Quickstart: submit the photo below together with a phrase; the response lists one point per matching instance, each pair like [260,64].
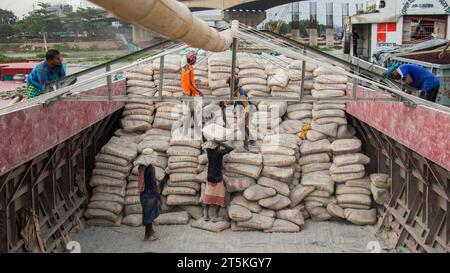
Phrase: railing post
[355,85]
[109,81]
[302,83]
[161,76]
[233,67]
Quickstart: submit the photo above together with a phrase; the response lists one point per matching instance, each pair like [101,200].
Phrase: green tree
[88,19]
[7,20]
[40,20]
[271,25]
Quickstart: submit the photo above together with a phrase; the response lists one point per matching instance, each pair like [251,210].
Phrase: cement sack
[99,180]
[327,113]
[329,86]
[314,158]
[109,173]
[361,217]
[280,225]
[183,158]
[285,140]
[253,80]
[183,151]
[182,200]
[113,167]
[132,200]
[329,129]
[298,64]
[172,218]
[335,211]
[257,192]
[354,206]
[178,190]
[290,127]
[159,146]
[178,165]
[113,207]
[281,78]
[315,167]
[256,86]
[195,212]
[132,220]
[299,193]
[248,73]
[279,107]
[220,92]
[241,201]
[100,214]
[338,120]
[327,94]
[143,69]
[319,214]
[268,213]
[141,83]
[192,185]
[245,158]
[137,112]
[343,189]
[380,180]
[257,221]
[346,131]
[136,106]
[238,213]
[312,135]
[133,209]
[341,178]
[299,107]
[320,146]
[319,181]
[119,191]
[353,168]
[159,132]
[319,193]
[276,202]
[361,199]
[299,115]
[292,95]
[349,159]
[346,146]
[134,191]
[278,160]
[244,169]
[324,71]
[331,79]
[182,171]
[211,226]
[110,159]
[380,195]
[216,132]
[138,76]
[283,174]
[119,151]
[185,142]
[362,183]
[237,184]
[292,215]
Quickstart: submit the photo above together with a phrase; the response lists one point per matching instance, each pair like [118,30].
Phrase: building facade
[400,22]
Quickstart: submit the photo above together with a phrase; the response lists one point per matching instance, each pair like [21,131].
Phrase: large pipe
[173,20]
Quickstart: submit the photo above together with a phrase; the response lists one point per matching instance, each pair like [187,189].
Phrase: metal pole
[302,83]
[161,75]
[233,67]
[109,81]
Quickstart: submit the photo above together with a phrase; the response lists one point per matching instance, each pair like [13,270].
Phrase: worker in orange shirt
[189,88]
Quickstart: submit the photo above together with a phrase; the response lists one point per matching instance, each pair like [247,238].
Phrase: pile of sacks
[252,77]
[267,119]
[219,71]
[112,166]
[168,115]
[380,185]
[328,84]
[295,77]
[140,76]
[201,75]
[182,190]
[171,75]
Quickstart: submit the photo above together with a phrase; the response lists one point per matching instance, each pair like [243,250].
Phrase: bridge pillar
[249,17]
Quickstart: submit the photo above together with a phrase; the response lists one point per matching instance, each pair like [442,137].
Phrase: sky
[22,7]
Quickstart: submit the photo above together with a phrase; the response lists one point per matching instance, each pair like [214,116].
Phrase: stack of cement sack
[295,77]
[353,190]
[171,75]
[278,83]
[112,166]
[219,71]
[167,115]
[328,84]
[201,75]
[267,119]
[140,76]
[300,111]
[182,189]
[252,77]
[380,185]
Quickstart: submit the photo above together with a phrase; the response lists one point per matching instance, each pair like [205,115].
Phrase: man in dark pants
[418,77]
[150,199]
[355,38]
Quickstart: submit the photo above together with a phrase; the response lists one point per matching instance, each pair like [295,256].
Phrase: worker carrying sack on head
[245,107]
[188,86]
[418,77]
[214,195]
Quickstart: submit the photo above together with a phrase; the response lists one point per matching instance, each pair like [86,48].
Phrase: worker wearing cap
[444,51]
[45,72]
[189,88]
[245,106]
[418,77]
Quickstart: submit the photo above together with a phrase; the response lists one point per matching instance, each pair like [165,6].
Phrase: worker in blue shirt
[45,72]
[245,107]
[418,77]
